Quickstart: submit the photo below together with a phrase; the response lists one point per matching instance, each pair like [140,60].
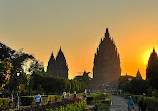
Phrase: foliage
[4,103]
[101,107]
[6,52]
[149,92]
[72,107]
[52,105]
[26,101]
[83,80]
[39,81]
[5,68]
[98,96]
[152,103]
[155,93]
[44,83]
[133,85]
[123,82]
[45,99]
[138,86]
[101,101]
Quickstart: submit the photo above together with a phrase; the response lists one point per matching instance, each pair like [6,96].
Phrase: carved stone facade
[58,67]
[106,69]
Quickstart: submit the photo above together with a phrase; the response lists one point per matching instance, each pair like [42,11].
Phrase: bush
[52,105]
[81,106]
[155,93]
[152,103]
[98,96]
[4,103]
[26,100]
[54,98]
[101,101]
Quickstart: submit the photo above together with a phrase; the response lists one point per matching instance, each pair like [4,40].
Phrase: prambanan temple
[106,69]
[58,67]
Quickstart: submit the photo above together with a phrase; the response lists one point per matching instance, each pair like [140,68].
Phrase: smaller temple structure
[138,75]
[58,67]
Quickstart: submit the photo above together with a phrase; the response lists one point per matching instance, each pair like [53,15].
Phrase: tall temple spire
[60,48]
[60,54]
[106,65]
[51,64]
[152,64]
[52,55]
[61,65]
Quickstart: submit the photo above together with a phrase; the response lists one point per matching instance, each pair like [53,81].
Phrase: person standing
[68,95]
[16,100]
[142,104]
[38,99]
[75,94]
[84,96]
[130,104]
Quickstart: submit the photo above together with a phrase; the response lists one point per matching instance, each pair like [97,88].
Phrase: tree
[6,53]
[138,86]
[5,68]
[124,82]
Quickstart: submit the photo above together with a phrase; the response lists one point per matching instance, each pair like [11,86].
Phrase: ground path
[119,104]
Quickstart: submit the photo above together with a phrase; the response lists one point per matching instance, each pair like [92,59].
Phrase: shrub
[52,105]
[101,101]
[155,93]
[71,107]
[152,103]
[26,100]
[4,103]
[98,96]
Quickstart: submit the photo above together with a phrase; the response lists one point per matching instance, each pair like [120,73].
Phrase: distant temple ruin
[58,67]
[138,75]
[106,69]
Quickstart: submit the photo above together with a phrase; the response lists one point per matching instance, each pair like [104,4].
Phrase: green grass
[4,103]
[101,101]
[72,107]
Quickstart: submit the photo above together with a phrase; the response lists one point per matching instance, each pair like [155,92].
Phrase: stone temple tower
[58,67]
[106,69]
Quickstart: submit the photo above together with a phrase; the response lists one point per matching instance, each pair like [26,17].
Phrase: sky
[42,26]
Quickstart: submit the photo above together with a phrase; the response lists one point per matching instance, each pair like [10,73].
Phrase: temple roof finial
[107,31]
[153,50]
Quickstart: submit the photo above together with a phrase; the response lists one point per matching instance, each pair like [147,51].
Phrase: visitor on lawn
[38,99]
[68,95]
[84,96]
[74,94]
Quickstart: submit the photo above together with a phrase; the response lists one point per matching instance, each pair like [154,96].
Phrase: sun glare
[146,56]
